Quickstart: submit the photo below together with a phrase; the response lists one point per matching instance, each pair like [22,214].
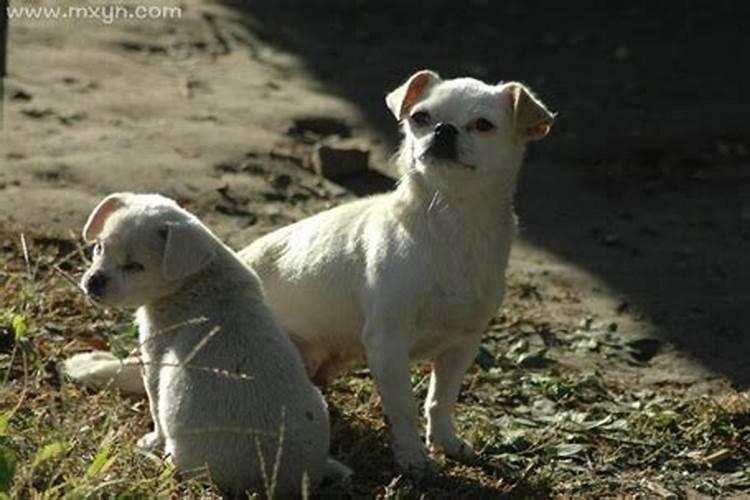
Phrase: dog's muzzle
[96,284]
[444,142]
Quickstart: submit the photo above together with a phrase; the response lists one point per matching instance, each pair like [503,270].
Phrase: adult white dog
[226,387]
[416,273]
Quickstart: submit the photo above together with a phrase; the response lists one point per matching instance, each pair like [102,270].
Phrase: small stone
[20,95]
[321,126]
[280,181]
[338,159]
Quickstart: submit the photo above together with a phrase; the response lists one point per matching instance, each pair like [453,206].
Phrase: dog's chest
[462,280]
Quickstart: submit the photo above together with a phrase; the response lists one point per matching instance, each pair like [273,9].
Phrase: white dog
[416,273]
[419,272]
[226,387]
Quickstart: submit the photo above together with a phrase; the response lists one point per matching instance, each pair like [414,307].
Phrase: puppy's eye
[483,125]
[132,267]
[421,118]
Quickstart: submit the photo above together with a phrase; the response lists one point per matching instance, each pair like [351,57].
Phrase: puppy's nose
[445,129]
[96,284]
[444,142]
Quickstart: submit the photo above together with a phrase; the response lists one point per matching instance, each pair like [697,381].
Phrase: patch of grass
[543,429]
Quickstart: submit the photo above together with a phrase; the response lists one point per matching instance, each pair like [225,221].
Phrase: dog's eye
[483,125]
[132,267]
[421,118]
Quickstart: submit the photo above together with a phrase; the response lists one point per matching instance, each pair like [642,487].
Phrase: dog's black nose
[445,129]
[444,142]
[96,284]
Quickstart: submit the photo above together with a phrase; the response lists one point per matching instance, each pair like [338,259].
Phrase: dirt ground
[635,212]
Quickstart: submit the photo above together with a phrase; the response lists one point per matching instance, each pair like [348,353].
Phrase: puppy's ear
[101,213]
[531,118]
[188,249]
[401,100]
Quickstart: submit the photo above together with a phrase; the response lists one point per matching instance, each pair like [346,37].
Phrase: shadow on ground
[644,180]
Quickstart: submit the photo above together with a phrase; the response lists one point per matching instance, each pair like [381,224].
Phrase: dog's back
[232,389]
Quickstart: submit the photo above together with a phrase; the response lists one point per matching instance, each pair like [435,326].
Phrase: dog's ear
[189,247]
[401,100]
[101,213]
[531,118]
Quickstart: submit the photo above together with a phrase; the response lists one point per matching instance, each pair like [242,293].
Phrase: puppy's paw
[414,462]
[150,441]
[454,448]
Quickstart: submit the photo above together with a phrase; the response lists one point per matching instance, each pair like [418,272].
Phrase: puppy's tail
[100,368]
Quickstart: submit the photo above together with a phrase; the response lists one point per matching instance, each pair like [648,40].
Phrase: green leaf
[7,467]
[19,326]
[664,418]
[4,419]
[48,452]
[102,461]
[168,471]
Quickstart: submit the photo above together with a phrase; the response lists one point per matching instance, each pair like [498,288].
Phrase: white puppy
[413,274]
[222,380]
[419,272]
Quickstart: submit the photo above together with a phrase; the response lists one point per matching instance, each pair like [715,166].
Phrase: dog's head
[145,246]
[464,132]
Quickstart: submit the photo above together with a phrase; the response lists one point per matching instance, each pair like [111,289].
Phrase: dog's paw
[454,448]
[150,441]
[415,462]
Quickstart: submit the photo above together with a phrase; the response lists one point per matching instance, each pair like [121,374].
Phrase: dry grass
[544,429]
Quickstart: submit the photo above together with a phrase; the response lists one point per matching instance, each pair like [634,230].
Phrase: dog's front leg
[388,359]
[155,438]
[448,370]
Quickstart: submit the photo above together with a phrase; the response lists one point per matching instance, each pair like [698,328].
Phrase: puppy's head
[145,246]
[464,132]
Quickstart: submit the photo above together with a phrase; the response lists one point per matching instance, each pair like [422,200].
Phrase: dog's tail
[100,369]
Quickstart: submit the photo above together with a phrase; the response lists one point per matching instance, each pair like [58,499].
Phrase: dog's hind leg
[101,368]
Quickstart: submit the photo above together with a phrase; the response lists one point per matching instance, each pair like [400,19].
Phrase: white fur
[416,273]
[222,380]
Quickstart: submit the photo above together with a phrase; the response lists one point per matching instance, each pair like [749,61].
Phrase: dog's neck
[236,282]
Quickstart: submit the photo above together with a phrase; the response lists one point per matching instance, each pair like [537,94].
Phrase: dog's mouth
[452,163]
[461,165]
